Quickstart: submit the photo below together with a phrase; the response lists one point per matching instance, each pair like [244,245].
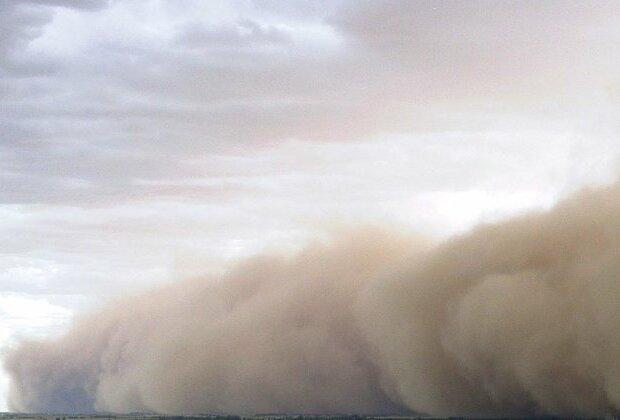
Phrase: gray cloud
[260,75]
[91,5]
[21,22]
[484,48]
[18,27]
[244,34]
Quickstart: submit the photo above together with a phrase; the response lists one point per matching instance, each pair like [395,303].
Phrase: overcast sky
[144,141]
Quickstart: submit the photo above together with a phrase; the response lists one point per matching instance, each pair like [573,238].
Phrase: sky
[146,141]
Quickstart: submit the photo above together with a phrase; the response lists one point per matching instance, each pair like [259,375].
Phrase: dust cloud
[519,317]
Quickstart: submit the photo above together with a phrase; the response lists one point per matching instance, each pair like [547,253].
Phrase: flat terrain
[16,416]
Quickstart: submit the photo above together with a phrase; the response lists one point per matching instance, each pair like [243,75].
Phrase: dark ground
[15,416]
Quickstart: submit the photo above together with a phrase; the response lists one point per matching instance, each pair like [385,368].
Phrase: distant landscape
[195,417]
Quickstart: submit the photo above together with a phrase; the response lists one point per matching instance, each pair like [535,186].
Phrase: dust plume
[514,318]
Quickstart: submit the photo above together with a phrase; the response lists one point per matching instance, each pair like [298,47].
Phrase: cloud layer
[223,122]
[232,78]
[512,318]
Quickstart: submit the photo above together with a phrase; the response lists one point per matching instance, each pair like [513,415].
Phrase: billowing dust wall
[520,317]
